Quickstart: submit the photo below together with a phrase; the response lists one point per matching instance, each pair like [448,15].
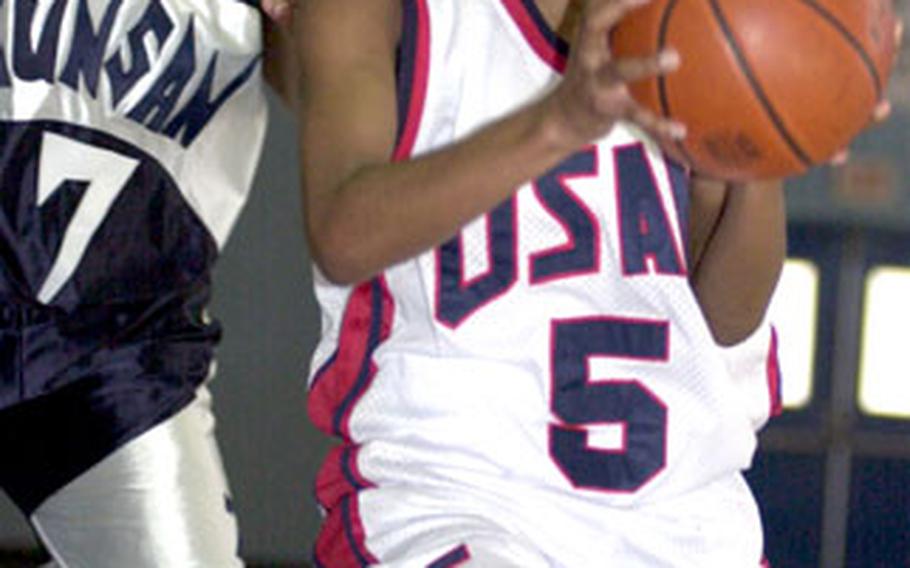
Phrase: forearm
[363,213]
[741,261]
[384,213]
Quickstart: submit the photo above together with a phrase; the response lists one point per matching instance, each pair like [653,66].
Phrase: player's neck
[561,15]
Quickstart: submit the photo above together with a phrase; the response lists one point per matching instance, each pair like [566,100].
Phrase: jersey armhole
[412,74]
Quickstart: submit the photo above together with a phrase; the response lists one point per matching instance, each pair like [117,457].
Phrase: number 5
[581,402]
[106,172]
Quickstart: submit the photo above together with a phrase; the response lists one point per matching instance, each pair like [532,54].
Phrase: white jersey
[549,367]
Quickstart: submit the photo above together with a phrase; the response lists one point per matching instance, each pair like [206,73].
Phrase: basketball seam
[662,79]
[852,40]
[757,89]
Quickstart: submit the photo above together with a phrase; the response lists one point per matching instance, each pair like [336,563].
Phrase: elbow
[732,311]
[339,257]
[339,271]
[734,325]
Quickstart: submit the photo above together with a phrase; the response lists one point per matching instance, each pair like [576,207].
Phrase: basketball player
[530,354]
[122,175]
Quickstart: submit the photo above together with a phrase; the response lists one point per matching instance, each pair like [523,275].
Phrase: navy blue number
[645,229]
[457,298]
[580,401]
[581,254]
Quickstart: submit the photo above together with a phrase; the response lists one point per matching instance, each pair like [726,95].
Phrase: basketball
[766,88]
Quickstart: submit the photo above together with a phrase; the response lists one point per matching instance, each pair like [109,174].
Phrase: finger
[898,33]
[631,69]
[658,126]
[598,18]
[882,111]
[605,14]
[840,158]
[277,10]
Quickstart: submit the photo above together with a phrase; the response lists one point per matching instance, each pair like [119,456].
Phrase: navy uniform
[123,170]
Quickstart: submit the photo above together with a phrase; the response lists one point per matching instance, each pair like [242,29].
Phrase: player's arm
[737,249]
[280,67]
[738,244]
[363,212]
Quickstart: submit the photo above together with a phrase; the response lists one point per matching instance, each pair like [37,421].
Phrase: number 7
[106,172]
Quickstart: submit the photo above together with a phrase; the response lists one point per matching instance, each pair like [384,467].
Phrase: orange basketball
[766,88]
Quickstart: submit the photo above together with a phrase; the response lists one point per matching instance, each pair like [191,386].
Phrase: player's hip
[624,438]
[415,524]
[68,399]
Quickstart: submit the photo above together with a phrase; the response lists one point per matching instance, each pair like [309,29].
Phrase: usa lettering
[647,239]
[82,56]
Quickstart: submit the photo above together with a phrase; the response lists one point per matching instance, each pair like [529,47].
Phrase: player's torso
[121,158]
[555,341]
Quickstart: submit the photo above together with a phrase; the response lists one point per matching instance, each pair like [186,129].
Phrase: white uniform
[542,390]
[122,173]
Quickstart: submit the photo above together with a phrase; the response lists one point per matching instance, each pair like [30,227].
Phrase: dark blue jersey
[129,135]
[121,167]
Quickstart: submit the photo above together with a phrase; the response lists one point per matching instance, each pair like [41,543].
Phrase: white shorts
[507,525]
[159,501]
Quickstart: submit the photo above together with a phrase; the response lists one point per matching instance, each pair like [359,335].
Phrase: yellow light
[884,374]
